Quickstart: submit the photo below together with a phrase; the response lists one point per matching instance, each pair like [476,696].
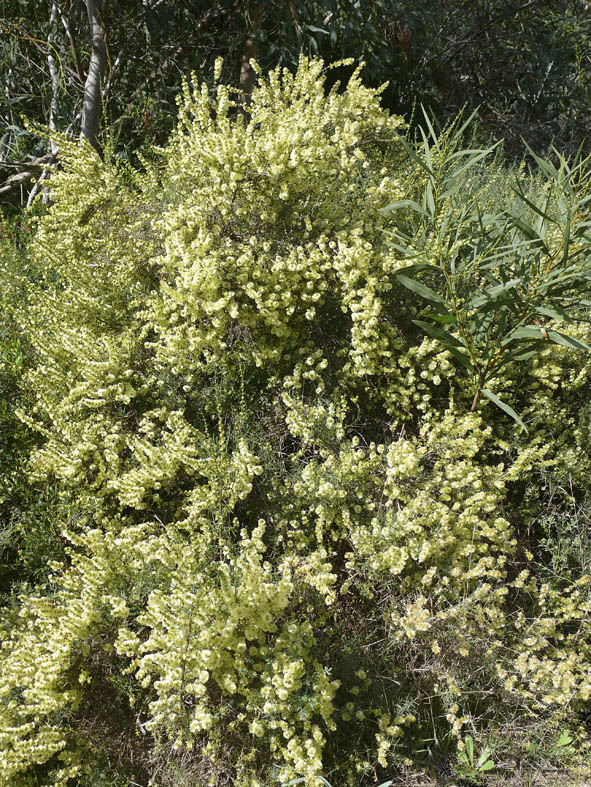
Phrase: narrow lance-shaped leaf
[429,199]
[527,229]
[404,203]
[417,159]
[480,154]
[461,357]
[504,407]
[543,164]
[403,249]
[443,319]
[420,289]
[556,313]
[566,240]
[437,333]
[525,332]
[520,356]
[492,292]
[566,341]
[536,208]
[418,267]
[431,129]
[427,149]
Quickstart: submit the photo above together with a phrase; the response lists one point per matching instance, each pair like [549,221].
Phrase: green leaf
[444,319]
[403,249]
[417,159]
[432,131]
[567,341]
[543,164]
[458,132]
[566,241]
[469,743]
[451,190]
[492,292]
[420,289]
[555,313]
[480,154]
[524,356]
[430,202]
[525,332]
[504,407]
[542,213]
[486,766]
[418,268]
[445,338]
[404,203]
[564,739]
[461,357]
[427,151]
[527,230]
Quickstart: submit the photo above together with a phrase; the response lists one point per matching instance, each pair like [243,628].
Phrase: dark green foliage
[525,66]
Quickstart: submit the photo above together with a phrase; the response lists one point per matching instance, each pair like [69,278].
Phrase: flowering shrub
[295,548]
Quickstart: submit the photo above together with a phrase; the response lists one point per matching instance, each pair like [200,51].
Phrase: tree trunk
[91,107]
[247,74]
[55,81]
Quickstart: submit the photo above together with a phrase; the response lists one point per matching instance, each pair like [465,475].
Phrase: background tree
[525,65]
[91,106]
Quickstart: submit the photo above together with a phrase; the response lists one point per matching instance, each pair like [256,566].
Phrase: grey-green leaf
[492,292]
[504,407]
[555,314]
[432,330]
[420,289]
[567,341]
[443,319]
[404,203]
[525,332]
[461,357]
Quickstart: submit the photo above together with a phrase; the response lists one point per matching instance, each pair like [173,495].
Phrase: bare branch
[75,57]
[27,171]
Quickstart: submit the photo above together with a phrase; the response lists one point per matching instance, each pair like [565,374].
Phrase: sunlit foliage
[296,550]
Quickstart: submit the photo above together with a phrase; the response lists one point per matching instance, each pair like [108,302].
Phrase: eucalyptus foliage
[293,549]
[445,55]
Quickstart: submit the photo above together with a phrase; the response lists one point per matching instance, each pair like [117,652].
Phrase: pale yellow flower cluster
[289,529]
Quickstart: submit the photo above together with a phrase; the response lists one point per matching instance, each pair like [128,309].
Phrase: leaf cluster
[504,280]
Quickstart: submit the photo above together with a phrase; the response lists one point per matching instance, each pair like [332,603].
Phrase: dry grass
[550,777]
